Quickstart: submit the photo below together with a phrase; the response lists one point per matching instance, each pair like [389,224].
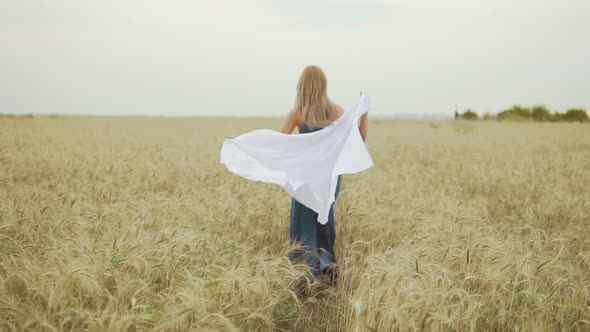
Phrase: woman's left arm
[290,123]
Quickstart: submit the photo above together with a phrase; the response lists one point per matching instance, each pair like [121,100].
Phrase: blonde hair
[312,102]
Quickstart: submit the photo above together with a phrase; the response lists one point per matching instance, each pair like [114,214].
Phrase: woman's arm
[363,126]
[290,123]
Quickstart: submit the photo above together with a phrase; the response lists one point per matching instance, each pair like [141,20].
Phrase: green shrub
[517,112]
[470,115]
[575,114]
[540,113]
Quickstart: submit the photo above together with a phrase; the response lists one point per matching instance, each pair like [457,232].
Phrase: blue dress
[316,240]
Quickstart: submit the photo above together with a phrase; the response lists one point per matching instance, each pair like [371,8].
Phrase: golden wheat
[132,224]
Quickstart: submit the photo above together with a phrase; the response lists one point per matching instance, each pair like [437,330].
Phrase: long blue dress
[316,240]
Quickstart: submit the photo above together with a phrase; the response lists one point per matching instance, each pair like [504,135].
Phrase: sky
[243,58]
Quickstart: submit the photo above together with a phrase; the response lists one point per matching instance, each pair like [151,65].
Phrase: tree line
[535,113]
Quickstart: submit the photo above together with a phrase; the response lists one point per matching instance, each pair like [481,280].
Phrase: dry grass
[132,224]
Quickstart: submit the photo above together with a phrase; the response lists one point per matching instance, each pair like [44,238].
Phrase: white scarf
[306,165]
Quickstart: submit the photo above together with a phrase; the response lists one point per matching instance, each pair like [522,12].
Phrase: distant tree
[517,112]
[575,114]
[470,115]
[488,116]
[520,111]
[540,113]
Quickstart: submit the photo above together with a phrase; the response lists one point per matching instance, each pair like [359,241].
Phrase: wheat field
[131,224]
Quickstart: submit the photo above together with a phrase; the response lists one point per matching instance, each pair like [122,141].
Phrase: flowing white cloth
[306,165]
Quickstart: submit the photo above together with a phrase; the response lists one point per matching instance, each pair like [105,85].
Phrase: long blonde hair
[312,102]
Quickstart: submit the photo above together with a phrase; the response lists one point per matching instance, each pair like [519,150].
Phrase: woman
[313,111]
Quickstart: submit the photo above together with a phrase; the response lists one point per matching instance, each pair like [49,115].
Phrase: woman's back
[305,129]
[295,119]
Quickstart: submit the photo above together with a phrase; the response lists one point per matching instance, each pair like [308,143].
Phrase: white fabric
[305,165]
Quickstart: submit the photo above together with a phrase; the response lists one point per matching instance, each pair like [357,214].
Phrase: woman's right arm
[363,126]
[290,123]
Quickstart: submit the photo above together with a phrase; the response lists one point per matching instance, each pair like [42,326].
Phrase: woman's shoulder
[295,116]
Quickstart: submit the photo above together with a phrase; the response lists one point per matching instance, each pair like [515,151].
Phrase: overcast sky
[238,57]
